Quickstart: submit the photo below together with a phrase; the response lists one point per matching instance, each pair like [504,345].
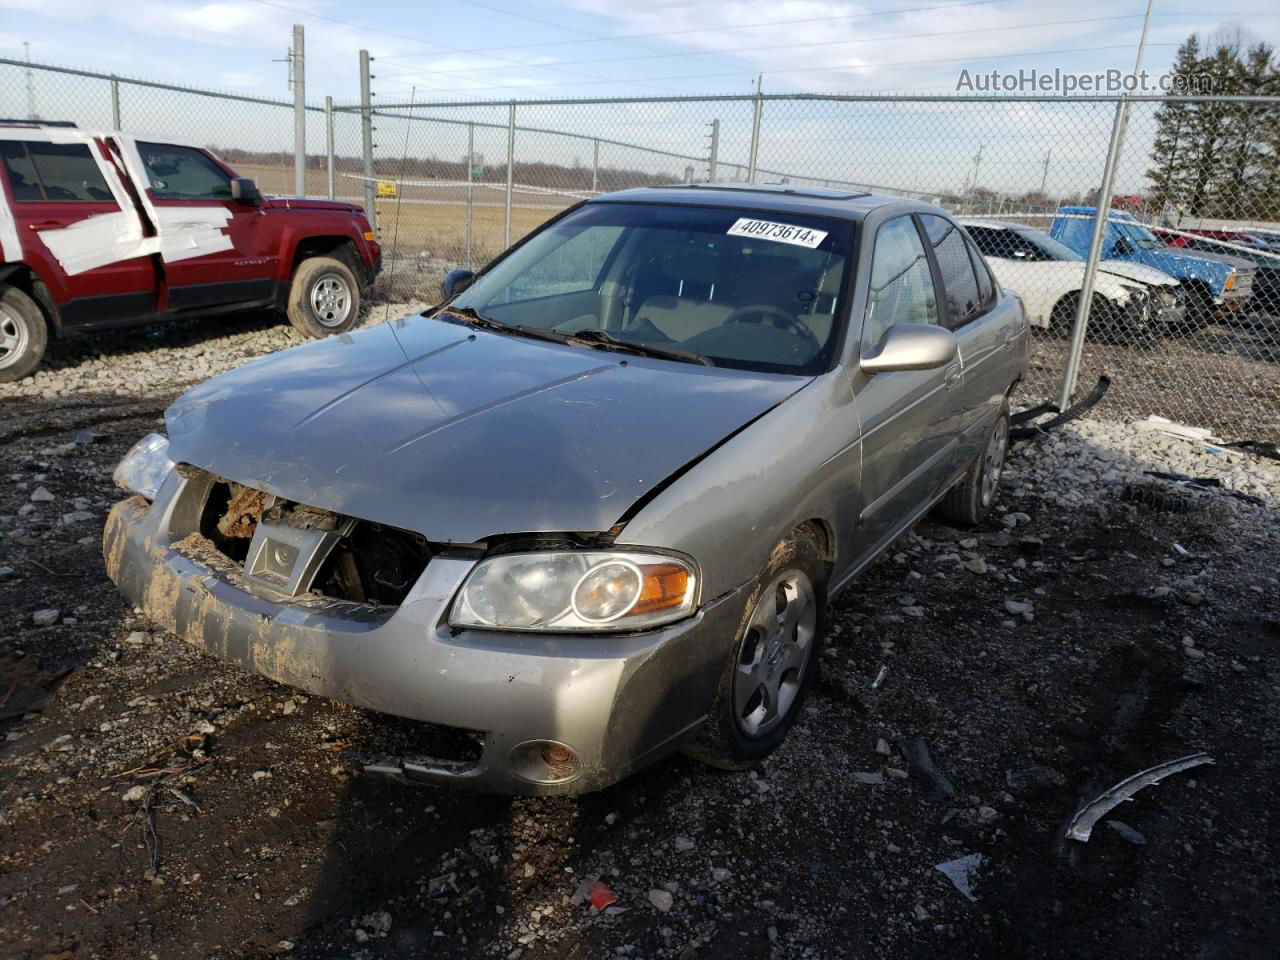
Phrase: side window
[993,242]
[572,267]
[959,283]
[53,172]
[183,173]
[901,285]
[986,285]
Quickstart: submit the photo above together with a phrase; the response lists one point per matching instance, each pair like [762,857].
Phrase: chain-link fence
[1184,311]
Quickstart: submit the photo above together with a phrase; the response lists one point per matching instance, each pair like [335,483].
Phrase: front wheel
[774,659]
[23,335]
[324,298]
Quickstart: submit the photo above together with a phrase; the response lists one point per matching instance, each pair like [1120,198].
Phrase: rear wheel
[324,298]
[774,661]
[970,500]
[24,335]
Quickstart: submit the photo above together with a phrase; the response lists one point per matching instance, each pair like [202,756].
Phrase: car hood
[310,203]
[1135,271]
[461,435]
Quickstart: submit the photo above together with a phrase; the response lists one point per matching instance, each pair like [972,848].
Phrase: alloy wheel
[330,300]
[774,653]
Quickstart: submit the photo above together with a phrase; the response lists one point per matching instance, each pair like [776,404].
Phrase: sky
[472,50]
[570,48]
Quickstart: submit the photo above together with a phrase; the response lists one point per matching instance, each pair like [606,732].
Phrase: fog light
[544,761]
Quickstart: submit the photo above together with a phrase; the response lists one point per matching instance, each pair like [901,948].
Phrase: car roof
[997,224]
[773,198]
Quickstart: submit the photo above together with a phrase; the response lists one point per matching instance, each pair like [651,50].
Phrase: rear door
[909,430]
[215,250]
[75,232]
[984,326]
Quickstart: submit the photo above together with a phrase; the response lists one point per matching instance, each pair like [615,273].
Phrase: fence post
[511,160]
[299,113]
[714,159]
[366,137]
[471,193]
[595,167]
[755,132]
[115,103]
[330,172]
[1080,325]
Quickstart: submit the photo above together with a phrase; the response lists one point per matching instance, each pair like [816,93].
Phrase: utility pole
[298,77]
[755,131]
[977,166]
[1045,179]
[713,160]
[31,86]
[366,138]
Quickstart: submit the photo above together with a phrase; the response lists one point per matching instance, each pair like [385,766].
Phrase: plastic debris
[920,763]
[871,778]
[1082,823]
[600,896]
[963,872]
[880,674]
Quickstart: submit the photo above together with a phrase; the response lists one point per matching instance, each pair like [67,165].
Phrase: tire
[970,501]
[1201,309]
[24,334]
[775,655]
[324,298]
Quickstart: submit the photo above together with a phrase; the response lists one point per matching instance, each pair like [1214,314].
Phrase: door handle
[951,376]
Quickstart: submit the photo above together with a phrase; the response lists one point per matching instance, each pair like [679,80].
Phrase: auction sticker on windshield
[777,232]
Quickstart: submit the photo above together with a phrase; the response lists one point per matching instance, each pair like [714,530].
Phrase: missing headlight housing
[576,591]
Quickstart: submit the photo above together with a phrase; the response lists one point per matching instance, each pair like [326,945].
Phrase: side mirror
[245,190]
[455,281]
[911,346]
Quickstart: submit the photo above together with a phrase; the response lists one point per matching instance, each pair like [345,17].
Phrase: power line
[872,66]
[818,43]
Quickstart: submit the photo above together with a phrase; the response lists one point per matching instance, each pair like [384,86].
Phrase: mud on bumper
[618,702]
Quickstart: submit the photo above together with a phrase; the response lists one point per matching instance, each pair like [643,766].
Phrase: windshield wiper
[476,319]
[604,340]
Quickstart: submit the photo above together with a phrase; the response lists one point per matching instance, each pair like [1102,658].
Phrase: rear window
[53,172]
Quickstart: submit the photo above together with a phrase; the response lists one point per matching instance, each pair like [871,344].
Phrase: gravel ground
[157,803]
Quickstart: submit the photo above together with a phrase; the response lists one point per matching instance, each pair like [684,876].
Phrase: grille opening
[418,740]
[229,517]
[374,564]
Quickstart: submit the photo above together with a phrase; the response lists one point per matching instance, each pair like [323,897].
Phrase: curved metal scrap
[1082,824]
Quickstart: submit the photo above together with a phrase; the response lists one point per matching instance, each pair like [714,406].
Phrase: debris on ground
[920,763]
[1082,823]
[963,873]
[600,895]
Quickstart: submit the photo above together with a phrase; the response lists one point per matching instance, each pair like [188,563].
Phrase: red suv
[106,229]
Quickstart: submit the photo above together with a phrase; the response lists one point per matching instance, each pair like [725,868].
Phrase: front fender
[800,461]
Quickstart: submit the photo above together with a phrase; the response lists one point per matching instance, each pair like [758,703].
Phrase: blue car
[1214,282]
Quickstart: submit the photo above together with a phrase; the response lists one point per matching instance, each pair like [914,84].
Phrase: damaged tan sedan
[591,508]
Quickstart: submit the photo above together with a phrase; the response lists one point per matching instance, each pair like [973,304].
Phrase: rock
[720,874]
[882,747]
[45,618]
[661,900]
[1192,598]
[262,775]
[683,844]
[288,707]
[137,638]
[1020,608]
[976,565]
[869,778]
[76,516]
[134,794]
[41,495]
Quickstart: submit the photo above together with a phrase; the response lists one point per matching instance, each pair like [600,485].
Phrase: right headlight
[582,591]
[144,468]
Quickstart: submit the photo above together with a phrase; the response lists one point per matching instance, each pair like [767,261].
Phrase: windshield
[1051,248]
[1140,236]
[740,288]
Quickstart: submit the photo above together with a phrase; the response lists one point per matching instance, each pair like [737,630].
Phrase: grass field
[428,221]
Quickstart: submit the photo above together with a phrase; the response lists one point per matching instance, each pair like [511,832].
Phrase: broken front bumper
[618,702]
